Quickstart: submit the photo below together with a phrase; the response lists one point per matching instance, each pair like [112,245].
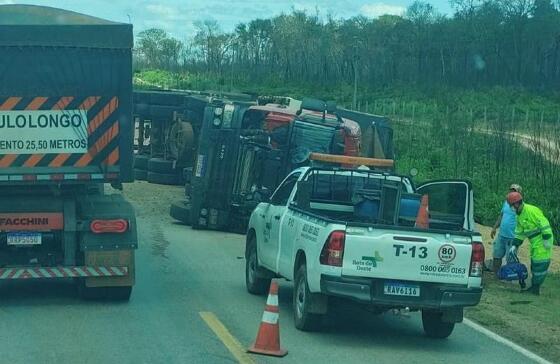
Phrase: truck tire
[160,165]
[104,293]
[255,284]
[118,293]
[181,211]
[167,99]
[434,326]
[303,319]
[140,174]
[164,112]
[181,143]
[141,162]
[163,178]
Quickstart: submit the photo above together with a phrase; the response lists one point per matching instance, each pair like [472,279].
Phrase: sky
[177,17]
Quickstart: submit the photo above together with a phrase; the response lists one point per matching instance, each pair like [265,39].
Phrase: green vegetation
[454,133]
[485,43]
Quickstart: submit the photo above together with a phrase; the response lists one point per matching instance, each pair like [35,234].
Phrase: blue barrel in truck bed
[65,97]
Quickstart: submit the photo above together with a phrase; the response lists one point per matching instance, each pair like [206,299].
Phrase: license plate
[401,289]
[24,239]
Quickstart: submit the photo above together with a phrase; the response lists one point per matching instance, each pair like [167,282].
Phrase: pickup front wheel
[434,326]
[255,284]
[304,320]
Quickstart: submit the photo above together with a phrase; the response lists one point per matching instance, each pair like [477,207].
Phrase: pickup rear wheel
[255,284]
[303,319]
[434,326]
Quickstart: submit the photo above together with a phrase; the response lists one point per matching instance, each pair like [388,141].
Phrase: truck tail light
[117,226]
[477,259]
[333,250]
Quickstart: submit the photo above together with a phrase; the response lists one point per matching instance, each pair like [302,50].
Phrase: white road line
[502,340]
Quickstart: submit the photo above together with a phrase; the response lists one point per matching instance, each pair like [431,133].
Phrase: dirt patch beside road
[152,199]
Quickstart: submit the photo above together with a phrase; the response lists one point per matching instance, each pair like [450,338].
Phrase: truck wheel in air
[141,162]
[434,326]
[181,143]
[140,174]
[255,284]
[303,319]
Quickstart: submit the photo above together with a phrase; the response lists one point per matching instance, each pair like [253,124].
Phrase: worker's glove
[512,255]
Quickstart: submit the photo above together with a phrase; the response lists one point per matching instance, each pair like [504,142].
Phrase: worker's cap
[515,187]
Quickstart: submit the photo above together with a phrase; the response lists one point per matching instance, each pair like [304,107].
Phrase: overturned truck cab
[245,150]
[66,133]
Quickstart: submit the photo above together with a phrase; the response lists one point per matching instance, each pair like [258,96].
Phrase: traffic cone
[268,337]
[422,219]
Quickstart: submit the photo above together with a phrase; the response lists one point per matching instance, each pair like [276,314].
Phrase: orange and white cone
[268,337]
[422,219]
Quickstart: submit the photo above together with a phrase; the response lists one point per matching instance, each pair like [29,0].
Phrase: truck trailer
[66,132]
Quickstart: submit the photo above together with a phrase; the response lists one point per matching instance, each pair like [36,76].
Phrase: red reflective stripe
[10,103]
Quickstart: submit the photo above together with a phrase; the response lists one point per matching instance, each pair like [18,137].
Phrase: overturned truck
[246,150]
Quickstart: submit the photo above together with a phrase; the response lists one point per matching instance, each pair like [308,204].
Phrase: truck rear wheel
[303,318]
[254,283]
[104,293]
[434,326]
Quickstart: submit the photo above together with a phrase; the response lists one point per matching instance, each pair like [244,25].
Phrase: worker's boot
[534,289]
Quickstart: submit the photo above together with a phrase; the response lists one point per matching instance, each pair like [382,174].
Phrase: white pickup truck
[352,234]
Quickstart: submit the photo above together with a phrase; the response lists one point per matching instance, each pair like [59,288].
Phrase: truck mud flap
[109,258]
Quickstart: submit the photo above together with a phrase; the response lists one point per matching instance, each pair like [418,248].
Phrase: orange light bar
[343,159]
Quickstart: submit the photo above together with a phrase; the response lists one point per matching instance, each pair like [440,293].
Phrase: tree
[158,50]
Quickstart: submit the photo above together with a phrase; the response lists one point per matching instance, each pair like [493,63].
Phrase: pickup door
[272,215]
[416,255]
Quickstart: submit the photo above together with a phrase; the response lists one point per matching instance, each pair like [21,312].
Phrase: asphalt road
[181,273]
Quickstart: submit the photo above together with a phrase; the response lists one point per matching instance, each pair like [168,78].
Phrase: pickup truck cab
[353,234]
